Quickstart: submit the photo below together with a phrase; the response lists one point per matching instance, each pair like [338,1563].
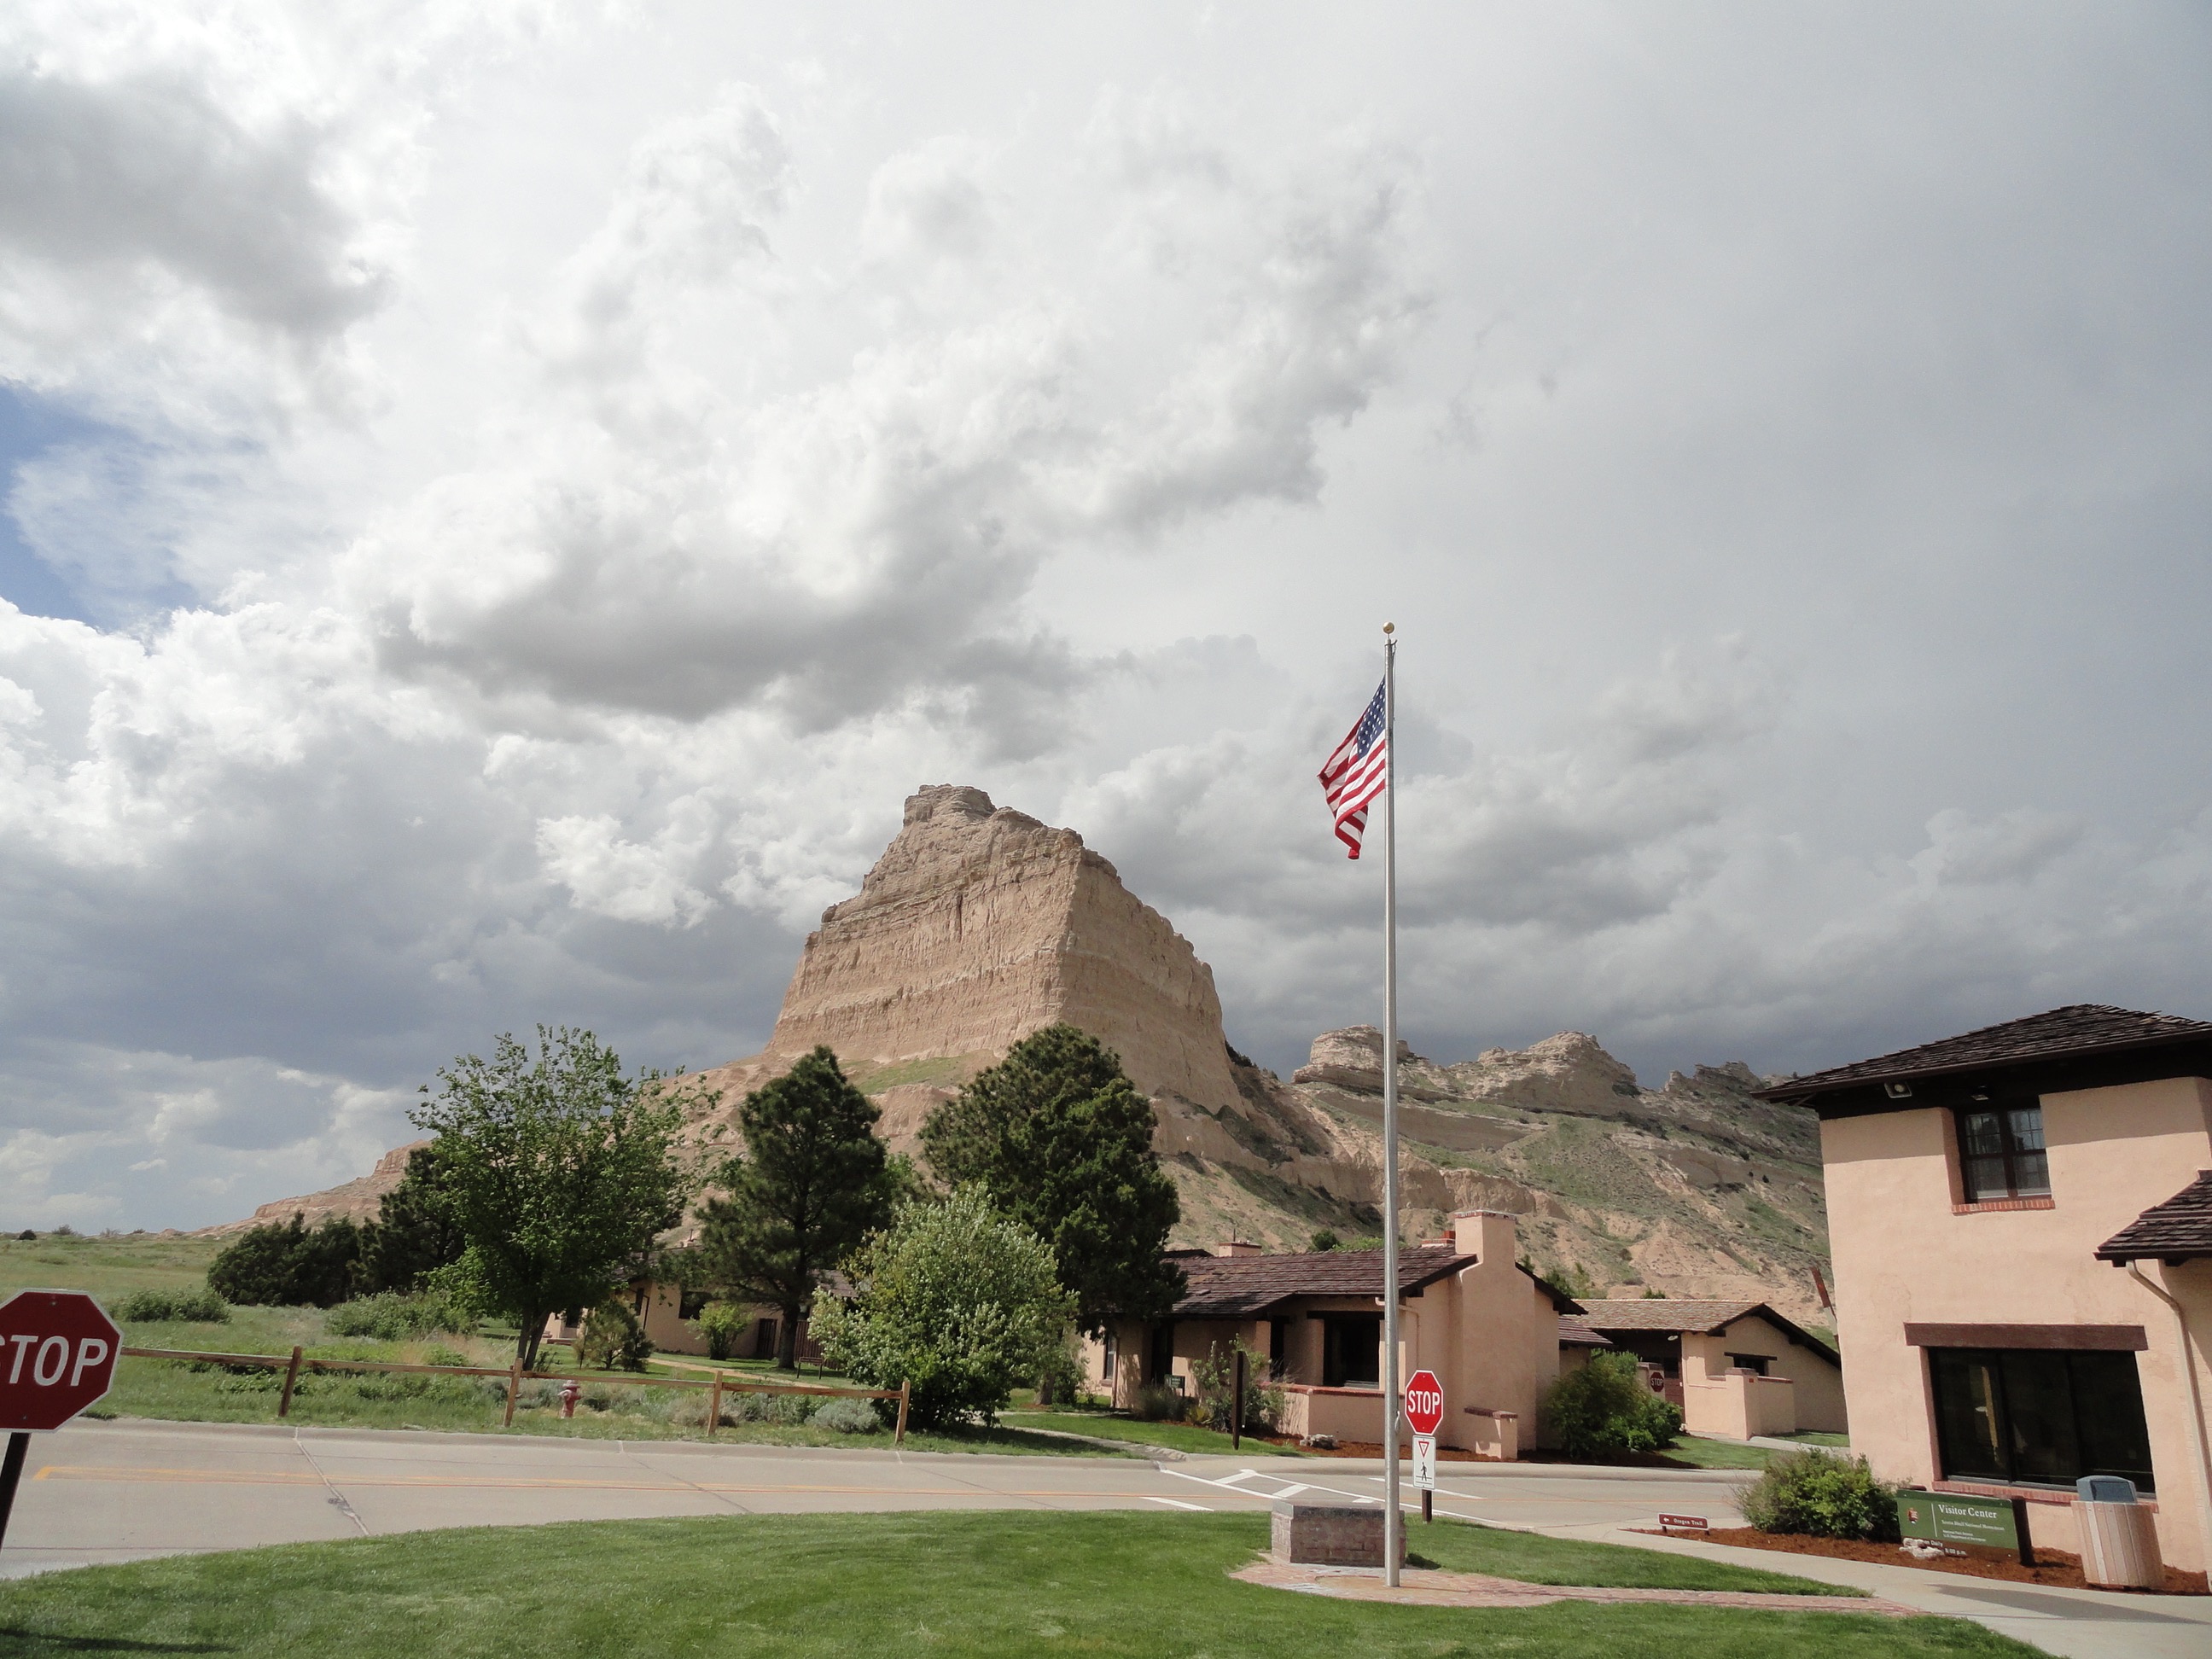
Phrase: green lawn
[1718,1454]
[111,1268]
[810,1587]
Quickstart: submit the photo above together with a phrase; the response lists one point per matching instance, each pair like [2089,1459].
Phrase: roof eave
[1797,1092]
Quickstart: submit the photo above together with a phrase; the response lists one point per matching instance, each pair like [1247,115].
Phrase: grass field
[111,1267]
[808,1587]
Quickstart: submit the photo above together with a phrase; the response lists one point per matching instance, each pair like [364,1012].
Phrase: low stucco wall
[1740,1404]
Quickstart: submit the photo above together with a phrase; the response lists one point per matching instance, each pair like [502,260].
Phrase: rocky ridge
[980,925]
[358,1199]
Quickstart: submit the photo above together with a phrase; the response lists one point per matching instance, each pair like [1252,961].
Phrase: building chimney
[1486,1234]
[1238,1247]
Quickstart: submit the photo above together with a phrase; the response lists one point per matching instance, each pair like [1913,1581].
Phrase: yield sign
[58,1352]
[1425,1402]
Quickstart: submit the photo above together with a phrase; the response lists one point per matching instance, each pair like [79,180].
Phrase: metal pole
[1393,1518]
[11,1472]
[1236,1399]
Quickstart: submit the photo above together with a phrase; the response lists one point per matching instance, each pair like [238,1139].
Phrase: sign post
[58,1352]
[1425,1415]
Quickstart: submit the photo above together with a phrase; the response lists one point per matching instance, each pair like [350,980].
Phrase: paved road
[115,1491]
[112,1492]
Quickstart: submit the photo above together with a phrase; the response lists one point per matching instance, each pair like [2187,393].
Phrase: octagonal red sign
[1425,1402]
[58,1351]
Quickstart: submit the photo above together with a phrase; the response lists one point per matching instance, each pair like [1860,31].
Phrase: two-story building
[1485,1325]
[2022,1225]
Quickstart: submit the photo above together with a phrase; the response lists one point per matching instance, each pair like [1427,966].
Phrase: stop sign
[56,1355]
[1425,1402]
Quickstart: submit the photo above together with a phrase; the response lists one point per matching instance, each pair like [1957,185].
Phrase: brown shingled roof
[2180,1230]
[1575,1332]
[1253,1286]
[2079,1027]
[1680,1314]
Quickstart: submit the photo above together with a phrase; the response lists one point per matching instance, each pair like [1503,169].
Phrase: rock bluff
[978,926]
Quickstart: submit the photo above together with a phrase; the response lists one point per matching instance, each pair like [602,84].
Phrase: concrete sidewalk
[2081,1624]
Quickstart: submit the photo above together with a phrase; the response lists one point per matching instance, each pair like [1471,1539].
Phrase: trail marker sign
[1425,1415]
[58,1351]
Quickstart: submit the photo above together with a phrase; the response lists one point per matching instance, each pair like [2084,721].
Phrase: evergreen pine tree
[1062,1142]
[416,1230]
[812,1182]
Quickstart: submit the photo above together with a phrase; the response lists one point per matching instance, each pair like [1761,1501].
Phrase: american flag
[1359,771]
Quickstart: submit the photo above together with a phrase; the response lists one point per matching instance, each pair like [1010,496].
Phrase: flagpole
[1393,1518]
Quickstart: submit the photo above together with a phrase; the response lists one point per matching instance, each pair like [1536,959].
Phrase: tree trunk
[786,1338]
[527,1338]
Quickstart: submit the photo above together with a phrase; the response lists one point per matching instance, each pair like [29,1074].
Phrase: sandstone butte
[979,924]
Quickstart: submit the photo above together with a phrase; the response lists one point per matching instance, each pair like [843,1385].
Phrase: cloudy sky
[503,502]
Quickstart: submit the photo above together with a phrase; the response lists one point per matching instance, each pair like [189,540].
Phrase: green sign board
[1946,1518]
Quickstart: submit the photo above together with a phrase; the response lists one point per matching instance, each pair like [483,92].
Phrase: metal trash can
[2119,1544]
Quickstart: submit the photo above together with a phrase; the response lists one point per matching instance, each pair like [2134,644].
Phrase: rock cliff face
[978,926]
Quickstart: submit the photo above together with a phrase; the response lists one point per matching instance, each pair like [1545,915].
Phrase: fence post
[715,1406]
[291,1376]
[899,1439]
[513,1386]
[1236,1402]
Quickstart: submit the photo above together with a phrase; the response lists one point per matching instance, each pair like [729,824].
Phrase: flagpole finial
[1390,628]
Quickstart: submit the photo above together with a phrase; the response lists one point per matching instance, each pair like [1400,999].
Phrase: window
[2038,1416]
[1750,1362]
[1113,1361]
[1351,1350]
[2001,1153]
[694,1304]
[1279,1349]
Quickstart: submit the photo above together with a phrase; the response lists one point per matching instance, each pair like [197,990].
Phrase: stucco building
[2021,1227]
[1487,1326]
[1737,1368]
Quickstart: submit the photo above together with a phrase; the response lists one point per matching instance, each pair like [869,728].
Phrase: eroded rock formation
[358,1199]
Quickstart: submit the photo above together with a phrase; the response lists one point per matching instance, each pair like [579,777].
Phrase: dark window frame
[1337,1371]
[2013,1141]
[1988,1379]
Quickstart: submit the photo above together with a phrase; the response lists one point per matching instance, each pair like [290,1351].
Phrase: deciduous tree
[956,1300]
[558,1171]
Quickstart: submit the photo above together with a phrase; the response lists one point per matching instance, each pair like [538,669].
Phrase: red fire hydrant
[571,1391]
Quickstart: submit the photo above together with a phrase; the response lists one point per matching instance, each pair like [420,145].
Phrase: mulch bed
[2053,1567]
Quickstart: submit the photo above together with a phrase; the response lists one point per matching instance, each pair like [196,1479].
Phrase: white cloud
[548,485]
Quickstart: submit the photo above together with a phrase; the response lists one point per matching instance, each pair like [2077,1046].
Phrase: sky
[503,501]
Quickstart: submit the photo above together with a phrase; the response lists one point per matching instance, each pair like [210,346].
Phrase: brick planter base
[1330,1535]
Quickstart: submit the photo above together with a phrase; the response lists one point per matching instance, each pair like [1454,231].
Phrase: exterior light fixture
[1898,1090]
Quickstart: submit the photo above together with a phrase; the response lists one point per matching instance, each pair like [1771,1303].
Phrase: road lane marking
[1178,1504]
[672,1488]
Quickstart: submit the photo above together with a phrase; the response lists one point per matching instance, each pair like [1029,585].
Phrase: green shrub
[437,1356]
[1159,1402]
[395,1318]
[288,1265]
[1822,1495]
[848,1417]
[1060,1380]
[1604,1410]
[780,1407]
[953,1298]
[1216,1378]
[719,1325]
[201,1307]
[613,1339]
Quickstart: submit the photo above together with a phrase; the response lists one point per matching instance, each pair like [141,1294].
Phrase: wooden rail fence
[717,1386]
